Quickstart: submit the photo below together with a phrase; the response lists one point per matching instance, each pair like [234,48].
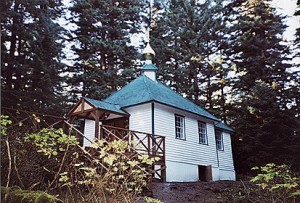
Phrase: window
[202,132]
[179,127]
[219,140]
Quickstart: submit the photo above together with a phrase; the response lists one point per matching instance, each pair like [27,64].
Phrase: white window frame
[219,140]
[179,127]
[202,131]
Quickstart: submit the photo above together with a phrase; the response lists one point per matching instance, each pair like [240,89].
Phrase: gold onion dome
[148,51]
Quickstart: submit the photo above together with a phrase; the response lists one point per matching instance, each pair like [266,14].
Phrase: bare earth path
[209,192]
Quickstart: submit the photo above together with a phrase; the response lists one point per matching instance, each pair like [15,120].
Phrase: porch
[110,123]
[139,142]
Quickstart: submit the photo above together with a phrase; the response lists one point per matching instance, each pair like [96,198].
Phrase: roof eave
[153,100]
[109,111]
[225,130]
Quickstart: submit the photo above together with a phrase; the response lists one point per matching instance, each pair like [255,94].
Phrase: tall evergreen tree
[220,85]
[296,79]
[186,36]
[297,13]
[264,122]
[105,58]
[31,51]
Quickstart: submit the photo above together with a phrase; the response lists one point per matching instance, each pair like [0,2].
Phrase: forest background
[230,57]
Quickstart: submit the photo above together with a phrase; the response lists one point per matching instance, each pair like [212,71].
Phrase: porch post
[97,135]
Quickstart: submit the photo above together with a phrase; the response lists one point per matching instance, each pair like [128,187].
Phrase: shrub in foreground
[277,183]
[16,194]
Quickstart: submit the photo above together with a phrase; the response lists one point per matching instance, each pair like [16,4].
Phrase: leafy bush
[50,141]
[152,200]
[5,121]
[278,183]
[16,194]
[112,173]
[104,172]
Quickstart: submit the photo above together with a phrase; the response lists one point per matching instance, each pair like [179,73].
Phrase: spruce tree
[296,67]
[187,36]
[31,49]
[297,13]
[105,59]
[263,120]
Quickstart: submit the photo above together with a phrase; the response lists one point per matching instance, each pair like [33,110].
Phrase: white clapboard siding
[225,157]
[140,118]
[89,131]
[184,154]
[188,151]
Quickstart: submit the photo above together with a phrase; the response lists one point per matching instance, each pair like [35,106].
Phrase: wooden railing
[142,143]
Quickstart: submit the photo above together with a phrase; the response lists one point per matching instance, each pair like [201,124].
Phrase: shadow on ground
[209,192]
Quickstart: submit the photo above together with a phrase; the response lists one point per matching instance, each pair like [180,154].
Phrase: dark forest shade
[105,59]
[265,119]
[262,104]
[186,35]
[31,51]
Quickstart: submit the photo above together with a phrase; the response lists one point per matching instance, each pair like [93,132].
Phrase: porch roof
[95,109]
[106,105]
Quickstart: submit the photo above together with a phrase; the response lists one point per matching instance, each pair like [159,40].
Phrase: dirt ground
[208,192]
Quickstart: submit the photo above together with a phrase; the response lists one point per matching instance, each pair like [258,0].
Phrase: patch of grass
[16,194]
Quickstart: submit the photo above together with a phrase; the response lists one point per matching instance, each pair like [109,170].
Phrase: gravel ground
[208,192]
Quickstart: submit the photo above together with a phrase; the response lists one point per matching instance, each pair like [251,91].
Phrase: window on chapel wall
[179,127]
[219,140]
[202,133]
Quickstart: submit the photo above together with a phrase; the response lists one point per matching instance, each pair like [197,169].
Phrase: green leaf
[133,163]
[94,145]
[297,193]
[110,159]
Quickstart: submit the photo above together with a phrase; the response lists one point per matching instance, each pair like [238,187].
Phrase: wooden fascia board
[121,114]
[115,119]
[186,111]
[90,103]
[117,113]
[150,101]
[75,107]
[83,111]
[80,102]
[101,115]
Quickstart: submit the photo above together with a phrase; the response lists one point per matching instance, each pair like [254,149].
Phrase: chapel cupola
[148,68]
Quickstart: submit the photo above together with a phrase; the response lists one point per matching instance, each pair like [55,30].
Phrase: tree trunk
[13,41]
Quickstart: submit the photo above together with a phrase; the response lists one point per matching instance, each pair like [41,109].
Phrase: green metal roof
[224,127]
[149,67]
[106,105]
[143,90]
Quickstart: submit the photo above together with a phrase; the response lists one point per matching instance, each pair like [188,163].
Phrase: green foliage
[297,40]
[117,172]
[50,141]
[105,60]
[4,123]
[31,53]
[152,200]
[280,184]
[264,95]
[249,85]
[16,194]
[183,48]
[106,171]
